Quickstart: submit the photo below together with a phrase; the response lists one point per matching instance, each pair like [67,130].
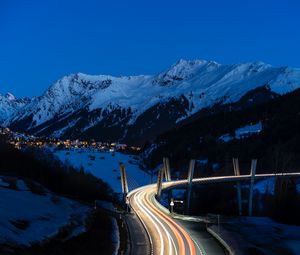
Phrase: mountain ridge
[9,104]
[81,105]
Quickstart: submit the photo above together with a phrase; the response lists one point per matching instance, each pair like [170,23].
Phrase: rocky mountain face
[10,105]
[267,131]
[134,109]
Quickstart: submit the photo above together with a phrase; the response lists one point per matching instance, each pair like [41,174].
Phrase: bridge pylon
[160,175]
[189,187]
[252,173]
[236,169]
[167,171]
[251,185]
[124,182]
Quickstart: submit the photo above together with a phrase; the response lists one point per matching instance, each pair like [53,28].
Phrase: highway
[165,234]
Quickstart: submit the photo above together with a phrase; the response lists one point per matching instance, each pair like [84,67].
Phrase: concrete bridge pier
[124,182]
[252,173]
[167,171]
[160,175]
[189,187]
[236,169]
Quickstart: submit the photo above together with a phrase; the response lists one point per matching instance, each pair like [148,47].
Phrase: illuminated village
[21,141]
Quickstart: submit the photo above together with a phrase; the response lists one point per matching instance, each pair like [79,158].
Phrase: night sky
[41,41]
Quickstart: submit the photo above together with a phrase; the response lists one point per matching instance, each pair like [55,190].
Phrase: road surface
[139,240]
[165,234]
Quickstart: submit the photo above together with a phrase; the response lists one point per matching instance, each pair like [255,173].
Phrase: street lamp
[172,205]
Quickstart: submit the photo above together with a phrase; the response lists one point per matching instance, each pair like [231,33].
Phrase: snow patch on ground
[242,132]
[3,183]
[21,185]
[106,166]
[266,186]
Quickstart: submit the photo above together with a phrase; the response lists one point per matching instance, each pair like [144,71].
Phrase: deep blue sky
[40,41]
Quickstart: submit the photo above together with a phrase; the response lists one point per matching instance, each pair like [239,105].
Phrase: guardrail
[221,240]
[146,230]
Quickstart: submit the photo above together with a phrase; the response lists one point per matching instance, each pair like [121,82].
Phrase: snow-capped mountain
[9,105]
[136,108]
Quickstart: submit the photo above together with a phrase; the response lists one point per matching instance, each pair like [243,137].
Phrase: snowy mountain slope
[115,108]
[27,217]
[9,105]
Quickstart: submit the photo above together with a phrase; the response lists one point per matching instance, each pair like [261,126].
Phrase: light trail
[160,224]
[172,238]
[166,236]
[141,207]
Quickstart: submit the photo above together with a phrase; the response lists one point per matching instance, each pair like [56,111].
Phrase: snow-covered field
[27,217]
[105,165]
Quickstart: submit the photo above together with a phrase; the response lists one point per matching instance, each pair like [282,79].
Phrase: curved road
[166,236]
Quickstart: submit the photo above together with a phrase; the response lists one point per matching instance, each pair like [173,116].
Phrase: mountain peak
[186,62]
[183,69]
[10,96]
[82,104]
